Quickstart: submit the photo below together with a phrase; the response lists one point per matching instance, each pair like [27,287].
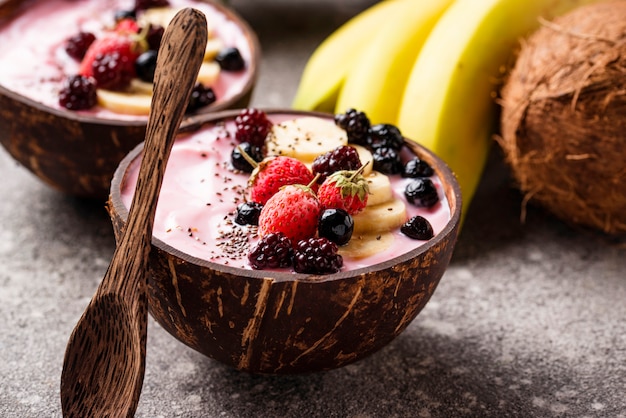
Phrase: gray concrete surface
[528,321]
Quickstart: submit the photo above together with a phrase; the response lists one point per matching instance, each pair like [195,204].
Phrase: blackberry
[200,97]
[274,250]
[149,4]
[356,124]
[154,36]
[78,93]
[252,125]
[113,70]
[418,227]
[341,158]
[145,65]
[248,213]
[385,135]
[230,59]
[416,167]
[337,225]
[317,256]
[76,46]
[421,192]
[387,160]
[240,162]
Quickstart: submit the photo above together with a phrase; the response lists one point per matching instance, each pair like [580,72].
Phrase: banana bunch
[432,68]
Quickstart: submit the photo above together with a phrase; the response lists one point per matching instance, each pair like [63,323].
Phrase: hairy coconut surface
[564,117]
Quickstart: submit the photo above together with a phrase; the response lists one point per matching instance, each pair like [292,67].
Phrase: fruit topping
[337,225]
[387,160]
[149,4]
[356,124]
[294,210]
[127,26]
[78,93]
[416,167]
[422,192]
[200,97]
[252,125]
[154,36]
[344,157]
[273,250]
[273,173]
[145,65]
[317,256]
[418,227]
[230,59]
[248,213]
[347,190]
[120,15]
[76,46]
[385,135]
[241,155]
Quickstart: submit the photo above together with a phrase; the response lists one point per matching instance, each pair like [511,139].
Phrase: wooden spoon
[104,361]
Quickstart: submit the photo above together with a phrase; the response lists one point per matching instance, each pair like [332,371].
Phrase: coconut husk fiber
[563,122]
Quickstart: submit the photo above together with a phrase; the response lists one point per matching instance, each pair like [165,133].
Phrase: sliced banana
[157,16]
[365,245]
[213,47]
[380,218]
[366,158]
[138,86]
[209,72]
[125,102]
[379,187]
[305,138]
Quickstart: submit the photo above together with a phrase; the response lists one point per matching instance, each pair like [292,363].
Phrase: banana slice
[131,103]
[380,218]
[209,72]
[157,16]
[213,47]
[365,245]
[366,158]
[379,187]
[305,138]
[138,86]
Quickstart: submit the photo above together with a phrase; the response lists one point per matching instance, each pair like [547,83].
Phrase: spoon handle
[180,56]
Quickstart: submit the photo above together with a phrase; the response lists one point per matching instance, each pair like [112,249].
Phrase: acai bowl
[76,96]
[262,294]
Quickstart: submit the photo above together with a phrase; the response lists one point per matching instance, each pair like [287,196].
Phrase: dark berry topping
[387,160]
[230,59]
[201,96]
[124,14]
[422,192]
[317,256]
[337,225]
[145,65]
[113,70]
[385,136]
[272,251]
[77,45]
[239,160]
[78,93]
[248,213]
[154,36]
[416,167]
[343,157]
[418,227]
[149,4]
[356,124]
[252,125]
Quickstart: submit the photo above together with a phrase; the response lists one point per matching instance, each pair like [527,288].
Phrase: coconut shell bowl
[279,321]
[77,151]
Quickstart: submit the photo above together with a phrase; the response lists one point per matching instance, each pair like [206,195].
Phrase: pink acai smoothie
[35,63]
[201,191]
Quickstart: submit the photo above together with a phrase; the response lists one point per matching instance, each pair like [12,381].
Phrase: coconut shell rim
[449,182]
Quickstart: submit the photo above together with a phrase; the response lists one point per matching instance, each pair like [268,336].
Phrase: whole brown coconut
[564,117]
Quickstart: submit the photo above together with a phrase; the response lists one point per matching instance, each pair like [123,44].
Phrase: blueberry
[230,59]
[417,167]
[124,14]
[387,160]
[145,65]
[418,227]
[385,135]
[336,225]
[421,192]
[240,162]
[200,97]
[248,213]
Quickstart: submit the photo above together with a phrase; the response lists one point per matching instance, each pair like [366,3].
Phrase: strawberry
[111,60]
[294,211]
[127,26]
[274,172]
[344,189]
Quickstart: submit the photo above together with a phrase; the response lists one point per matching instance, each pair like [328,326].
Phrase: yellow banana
[449,102]
[333,59]
[376,82]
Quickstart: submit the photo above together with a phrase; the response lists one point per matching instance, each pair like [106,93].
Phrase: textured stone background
[529,320]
